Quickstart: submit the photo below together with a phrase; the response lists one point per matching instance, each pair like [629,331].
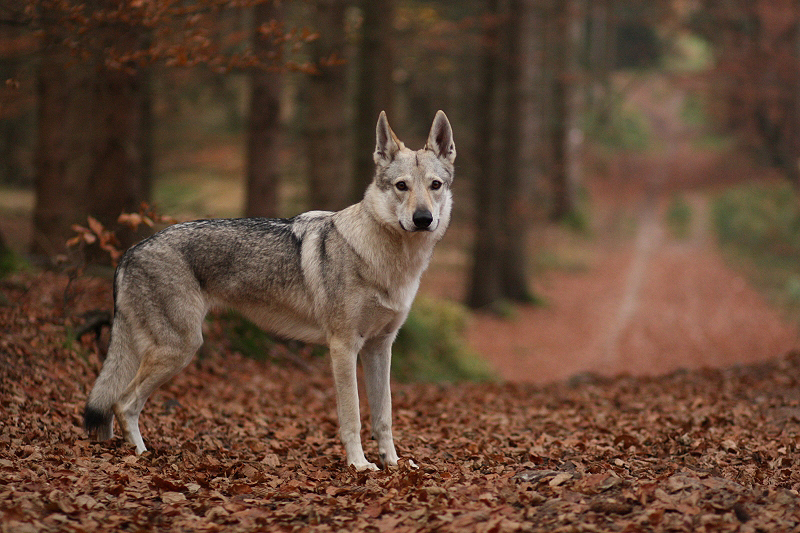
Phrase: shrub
[760,226]
[430,346]
[761,220]
[679,217]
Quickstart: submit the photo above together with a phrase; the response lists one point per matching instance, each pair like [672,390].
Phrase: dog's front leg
[376,359]
[344,356]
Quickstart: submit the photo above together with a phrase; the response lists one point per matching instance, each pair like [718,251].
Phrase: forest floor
[241,445]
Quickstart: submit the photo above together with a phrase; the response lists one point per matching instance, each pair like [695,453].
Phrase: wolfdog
[346,279]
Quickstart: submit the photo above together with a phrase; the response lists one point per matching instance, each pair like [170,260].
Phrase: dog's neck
[392,252]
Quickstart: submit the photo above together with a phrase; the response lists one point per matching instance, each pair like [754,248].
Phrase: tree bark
[326,128]
[375,87]
[523,134]
[63,155]
[264,128]
[565,131]
[485,285]
[600,57]
[119,180]
[16,105]
[91,154]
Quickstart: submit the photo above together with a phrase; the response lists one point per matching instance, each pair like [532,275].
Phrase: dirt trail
[648,306]
[648,303]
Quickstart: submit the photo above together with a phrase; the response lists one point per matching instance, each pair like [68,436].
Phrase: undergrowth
[10,262]
[619,127]
[430,346]
[679,217]
[759,226]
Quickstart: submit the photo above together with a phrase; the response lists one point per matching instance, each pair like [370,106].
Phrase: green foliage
[251,341]
[679,217]
[693,111]
[430,346]
[557,260]
[695,114]
[759,224]
[503,308]
[579,219]
[174,195]
[245,337]
[689,53]
[619,128]
[760,219]
[10,262]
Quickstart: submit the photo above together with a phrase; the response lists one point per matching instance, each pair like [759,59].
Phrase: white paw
[366,465]
[389,460]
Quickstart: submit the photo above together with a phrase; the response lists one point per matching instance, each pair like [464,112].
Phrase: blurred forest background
[592,136]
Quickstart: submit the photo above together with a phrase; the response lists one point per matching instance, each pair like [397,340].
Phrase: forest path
[645,305]
[638,299]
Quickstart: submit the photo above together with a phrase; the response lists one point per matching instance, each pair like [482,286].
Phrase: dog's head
[414,186]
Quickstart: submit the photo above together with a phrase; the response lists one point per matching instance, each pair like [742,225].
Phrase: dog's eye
[401,186]
[436,185]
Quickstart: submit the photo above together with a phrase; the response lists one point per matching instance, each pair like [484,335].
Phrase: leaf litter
[240,445]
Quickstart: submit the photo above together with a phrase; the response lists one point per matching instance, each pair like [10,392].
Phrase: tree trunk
[264,128]
[794,106]
[326,128]
[485,279]
[600,57]
[119,180]
[523,134]
[575,100]
[91,154]
[63,157]
[375,87]
[565,134]
[16,105]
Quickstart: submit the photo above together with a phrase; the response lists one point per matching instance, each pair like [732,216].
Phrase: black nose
[422,218]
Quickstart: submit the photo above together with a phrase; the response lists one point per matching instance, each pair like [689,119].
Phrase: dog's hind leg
[376,359]
[159,364]
[118,370]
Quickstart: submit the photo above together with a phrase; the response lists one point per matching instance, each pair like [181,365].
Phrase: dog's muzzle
[422,219]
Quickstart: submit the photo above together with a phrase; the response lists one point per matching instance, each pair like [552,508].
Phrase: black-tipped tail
[96,421]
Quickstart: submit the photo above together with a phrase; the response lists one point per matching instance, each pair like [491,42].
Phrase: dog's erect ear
[387,144]
[440,139]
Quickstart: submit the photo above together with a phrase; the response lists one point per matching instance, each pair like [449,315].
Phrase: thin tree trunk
[564,186]
[326,128]
[485,279]
[600,57]
[119,178]
[794,107]
[575,101]
[375,87]
[523,133]
[263,165]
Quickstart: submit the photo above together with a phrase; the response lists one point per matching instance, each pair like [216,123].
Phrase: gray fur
[346,279]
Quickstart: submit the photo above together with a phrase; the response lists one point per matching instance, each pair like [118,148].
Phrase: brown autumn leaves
[238,445]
